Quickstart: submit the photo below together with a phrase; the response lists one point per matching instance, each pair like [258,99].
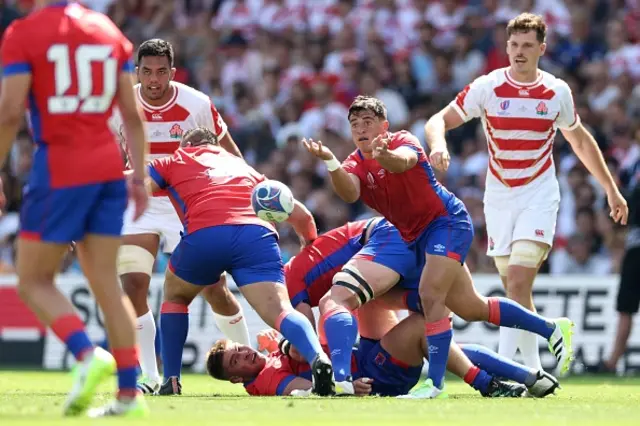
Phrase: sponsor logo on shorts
[539,233]
[439,248]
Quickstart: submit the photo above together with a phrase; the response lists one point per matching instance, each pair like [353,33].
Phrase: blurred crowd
[283,70]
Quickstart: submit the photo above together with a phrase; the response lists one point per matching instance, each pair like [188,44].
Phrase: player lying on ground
[386,364]
[521,108]
[391,173]
[169,109]
[211,191]
[311,280]
[72,64]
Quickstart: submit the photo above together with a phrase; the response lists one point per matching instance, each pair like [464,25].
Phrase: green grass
[36,398]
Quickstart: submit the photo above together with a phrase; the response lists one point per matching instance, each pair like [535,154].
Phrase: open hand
[317,149]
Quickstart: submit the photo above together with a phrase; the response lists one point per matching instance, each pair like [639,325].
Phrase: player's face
[524,51]
[244,362]
[365,126]
[154,74]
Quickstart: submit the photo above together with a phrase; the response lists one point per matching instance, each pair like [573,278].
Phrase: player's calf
[227,312]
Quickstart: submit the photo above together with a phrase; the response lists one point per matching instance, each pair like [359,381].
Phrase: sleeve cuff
[459,110]
[575,124]
[15,69]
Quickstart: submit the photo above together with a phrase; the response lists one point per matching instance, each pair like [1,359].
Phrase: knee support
[135,259]
[351,279]
[528,254]
[502,264]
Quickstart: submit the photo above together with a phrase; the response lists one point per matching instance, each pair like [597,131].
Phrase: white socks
[509,342]
[234,327]
[529,350]
[146,340]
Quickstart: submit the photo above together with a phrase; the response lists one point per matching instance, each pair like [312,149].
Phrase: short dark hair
[156,47]
[526,22]
[368,103]
[215,367]
[200,136]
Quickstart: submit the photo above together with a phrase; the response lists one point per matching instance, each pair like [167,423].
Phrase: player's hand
[362,386]
[268,340]
[380,146]
[440,158]
[317,149]
[618,205]
[139,194]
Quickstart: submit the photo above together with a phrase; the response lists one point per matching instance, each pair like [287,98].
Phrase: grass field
[36,397]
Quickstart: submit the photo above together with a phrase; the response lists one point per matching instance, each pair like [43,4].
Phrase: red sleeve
[405,139]
[296,286]
[272,380]
[351,164]
[159,171]
[15,54]
[126,59]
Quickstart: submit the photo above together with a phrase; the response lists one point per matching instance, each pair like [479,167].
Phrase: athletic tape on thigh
[502,264]
[526,253]
[352,280]
[135,259]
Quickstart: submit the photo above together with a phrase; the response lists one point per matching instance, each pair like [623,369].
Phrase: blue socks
[478,379]
[507,313]
[499,366]
[297,329]
[439,336]
[174,326]
[341,329]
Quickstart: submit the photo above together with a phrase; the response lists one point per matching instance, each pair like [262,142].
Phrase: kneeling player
[390,366]
[210,190]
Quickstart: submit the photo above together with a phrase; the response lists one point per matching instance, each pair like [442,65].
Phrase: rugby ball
[272,201]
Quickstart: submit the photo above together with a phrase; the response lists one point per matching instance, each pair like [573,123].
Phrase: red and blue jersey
[74,56]
[309,274]
[410,200]
[208,187]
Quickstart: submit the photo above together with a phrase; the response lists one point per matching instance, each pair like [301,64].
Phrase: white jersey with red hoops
[520,121]
[188,108]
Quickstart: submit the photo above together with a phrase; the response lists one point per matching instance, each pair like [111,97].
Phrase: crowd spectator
[281,70]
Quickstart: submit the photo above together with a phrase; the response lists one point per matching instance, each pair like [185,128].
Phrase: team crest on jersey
[371,181]
[504,105]
[381,173]
[542,109]
[176,131]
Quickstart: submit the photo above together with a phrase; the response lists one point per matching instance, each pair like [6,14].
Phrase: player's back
[310,273]
[209,187]
[75,56]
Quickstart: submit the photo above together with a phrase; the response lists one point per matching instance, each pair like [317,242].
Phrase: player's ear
[385,125]
[235,379]
[543,48]
[173,73]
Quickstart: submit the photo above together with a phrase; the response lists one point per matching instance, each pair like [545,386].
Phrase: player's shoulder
[404,137]
[492,79]
[551,82]
[190,96]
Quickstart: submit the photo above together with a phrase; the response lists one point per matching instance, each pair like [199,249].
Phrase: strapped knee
[351,279]
[528,254]
[135,259]
[502,264]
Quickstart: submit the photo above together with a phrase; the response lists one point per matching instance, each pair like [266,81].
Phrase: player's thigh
[537,223]
[375,319]
[107,214]
[499,222]
[628,299]
[37,262]
[255,255]
[270,300]
[58,216]
[202,256]
[464,300]
[361,280]
[98,254]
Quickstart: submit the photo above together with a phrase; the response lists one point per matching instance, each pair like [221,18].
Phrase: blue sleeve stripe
[128,66]
[282,386]
[16,68]
[411,147]
[302,296]
[153,174]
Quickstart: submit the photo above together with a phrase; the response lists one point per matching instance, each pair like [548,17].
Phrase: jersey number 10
[84,101]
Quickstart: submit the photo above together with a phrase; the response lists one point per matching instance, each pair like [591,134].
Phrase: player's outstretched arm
[15,88]
[133,124]
[396,160]
[345,184]
[303,223]
[587,150]
[435,129]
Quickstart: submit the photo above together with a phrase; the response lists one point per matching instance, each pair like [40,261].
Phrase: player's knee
[350,288]
[135,259]
[524,261]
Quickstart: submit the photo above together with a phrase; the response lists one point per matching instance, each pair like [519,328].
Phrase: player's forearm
[229,145]
[343,185]
[587,150]
[8,131]
[303,223]
[434,130]
[396,161]
[137,144]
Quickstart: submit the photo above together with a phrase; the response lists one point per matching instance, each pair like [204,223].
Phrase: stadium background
[280,70]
